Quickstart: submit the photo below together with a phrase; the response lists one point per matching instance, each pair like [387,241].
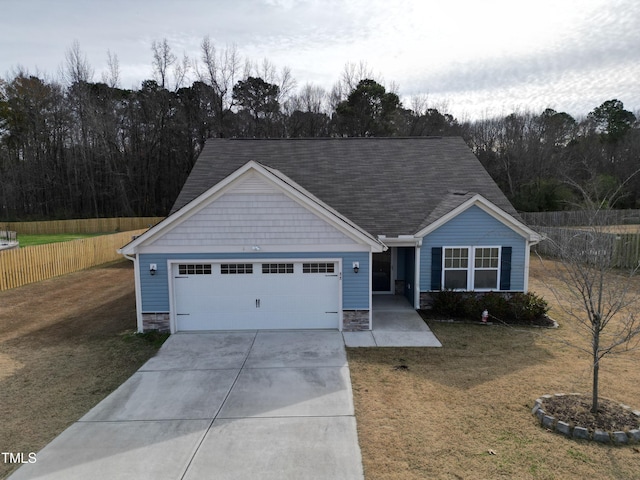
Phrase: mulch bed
[576,410]
[544,322]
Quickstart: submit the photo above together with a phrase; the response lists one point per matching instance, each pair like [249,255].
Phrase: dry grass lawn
[619,228]
[65,343]
[442,416]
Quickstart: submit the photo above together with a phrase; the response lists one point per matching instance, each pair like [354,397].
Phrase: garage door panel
[239,297]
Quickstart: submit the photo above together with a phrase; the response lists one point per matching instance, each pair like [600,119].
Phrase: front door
[382,272]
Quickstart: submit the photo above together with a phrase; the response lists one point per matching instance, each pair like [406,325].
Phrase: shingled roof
[388,186]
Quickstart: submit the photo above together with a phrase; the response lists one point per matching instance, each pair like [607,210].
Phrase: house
[300,233]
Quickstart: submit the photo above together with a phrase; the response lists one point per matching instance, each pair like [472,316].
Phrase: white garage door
[256,295]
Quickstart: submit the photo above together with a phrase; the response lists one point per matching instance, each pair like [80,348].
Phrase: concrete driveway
[238,405]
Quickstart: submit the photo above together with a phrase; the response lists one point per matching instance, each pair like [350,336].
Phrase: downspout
[527,259]
[136,276]
[370,290]
[416,275]
[527,255]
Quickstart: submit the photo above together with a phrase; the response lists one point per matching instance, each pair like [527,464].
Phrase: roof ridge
[272,139]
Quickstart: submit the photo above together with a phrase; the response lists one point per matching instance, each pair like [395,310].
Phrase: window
[277,268]
[470,268]
[318,268]
[194,269]
[485,272]
[456,267]
[236,268]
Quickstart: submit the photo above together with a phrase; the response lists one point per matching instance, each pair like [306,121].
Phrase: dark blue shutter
[505,269]
[436,268]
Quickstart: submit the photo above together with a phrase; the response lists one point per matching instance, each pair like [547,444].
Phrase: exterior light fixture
[255,248]
[356,267]
[153,268]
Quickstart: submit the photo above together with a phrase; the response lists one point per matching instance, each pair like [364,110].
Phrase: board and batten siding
[474,227]
[253,213]
[155,288]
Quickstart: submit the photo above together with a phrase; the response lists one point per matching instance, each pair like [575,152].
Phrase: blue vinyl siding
[155,289]
[474,227]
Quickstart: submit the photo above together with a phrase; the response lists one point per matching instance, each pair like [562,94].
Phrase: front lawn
[464,411]
[31,240]
[65,344]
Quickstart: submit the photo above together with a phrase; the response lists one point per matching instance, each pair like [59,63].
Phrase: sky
[471,58]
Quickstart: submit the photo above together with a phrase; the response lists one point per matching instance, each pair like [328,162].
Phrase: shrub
[495,303]
[527,307]
[512,308]
[449,303]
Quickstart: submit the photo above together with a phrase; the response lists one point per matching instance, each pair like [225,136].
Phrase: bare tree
[163,58]
[595,291]
[181,71]
[165,63]
[311,98]
[351,76]
[269,73]
[112,76]
[220,70]
[353,73]
[307,112]
[77,67]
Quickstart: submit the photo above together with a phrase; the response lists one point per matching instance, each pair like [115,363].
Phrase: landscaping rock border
[581,433]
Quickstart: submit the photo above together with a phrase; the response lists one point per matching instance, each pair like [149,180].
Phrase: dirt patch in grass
[65,344]
[463,411]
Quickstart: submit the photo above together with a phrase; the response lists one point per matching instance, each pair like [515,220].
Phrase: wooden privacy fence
[582,217]
[87,225]
[39,262]
[623,249]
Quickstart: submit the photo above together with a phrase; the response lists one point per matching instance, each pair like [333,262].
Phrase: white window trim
[471,267]
[497,269]
[469,263]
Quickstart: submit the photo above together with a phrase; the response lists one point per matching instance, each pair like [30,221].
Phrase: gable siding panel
[248,218]
[474,227]
[155,288]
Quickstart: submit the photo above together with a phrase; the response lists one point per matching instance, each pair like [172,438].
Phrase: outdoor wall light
[255,248]
[153,268]
[356,267]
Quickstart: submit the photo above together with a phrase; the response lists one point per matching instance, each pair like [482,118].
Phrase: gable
[252,208]
[457,209]
[253,213]
[474,227]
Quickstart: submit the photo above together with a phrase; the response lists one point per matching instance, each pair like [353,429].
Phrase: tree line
[75,148]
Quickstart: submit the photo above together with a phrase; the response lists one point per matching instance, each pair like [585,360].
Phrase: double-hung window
[471,268]
[486,267]
[456,268]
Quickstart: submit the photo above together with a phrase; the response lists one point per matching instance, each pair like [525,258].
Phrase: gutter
[400,241]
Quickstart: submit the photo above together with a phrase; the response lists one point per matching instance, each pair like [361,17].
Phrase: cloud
[492,52]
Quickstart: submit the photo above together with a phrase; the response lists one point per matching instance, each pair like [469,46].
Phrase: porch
[395,324]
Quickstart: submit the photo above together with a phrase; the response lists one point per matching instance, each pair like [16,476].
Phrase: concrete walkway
[236,405]
[395,324]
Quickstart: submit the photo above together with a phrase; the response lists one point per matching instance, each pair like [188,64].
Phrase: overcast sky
[472,58]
